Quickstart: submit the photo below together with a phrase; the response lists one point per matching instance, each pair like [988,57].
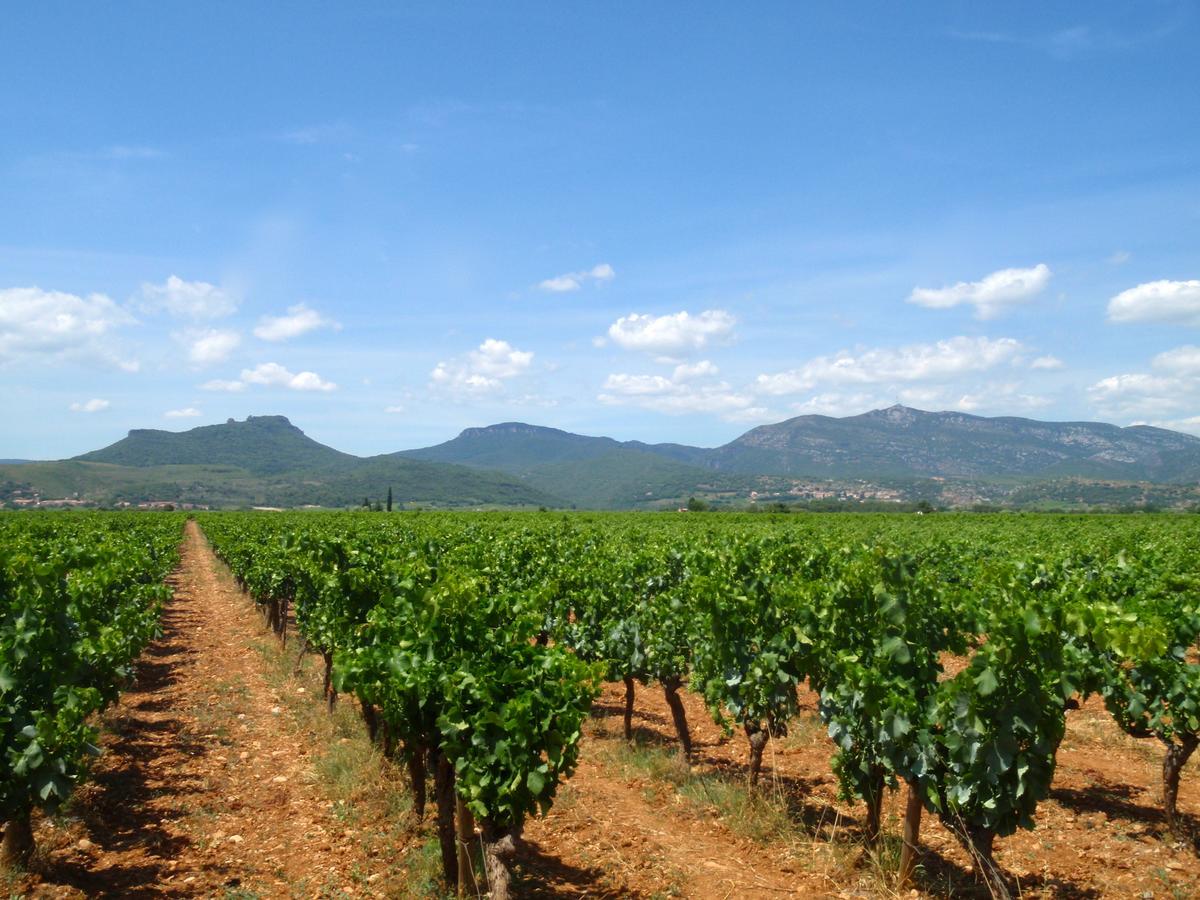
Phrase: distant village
[30,499]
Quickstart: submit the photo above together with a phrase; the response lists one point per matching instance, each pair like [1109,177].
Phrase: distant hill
[904,442]
[263,461]
[897,444]
[589,472]
[945,456]
[515,447]
[262,445]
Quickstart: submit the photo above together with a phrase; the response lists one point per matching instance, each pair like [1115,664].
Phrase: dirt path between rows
[207,785]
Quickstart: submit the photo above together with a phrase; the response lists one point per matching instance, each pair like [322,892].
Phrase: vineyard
[943,657]
[79,600]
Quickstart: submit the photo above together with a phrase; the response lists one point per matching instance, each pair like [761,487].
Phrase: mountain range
[268,461]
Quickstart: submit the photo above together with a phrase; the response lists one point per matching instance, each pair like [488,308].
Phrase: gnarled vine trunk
[979,843]
[911,836]
[671,692]
[758,737]
[415,763]
[874,799]
[443,791]
[17,846]
[284,604]
[330,690]
[499,850]
[629,689]
[1177,756]
[300,654]
[468,885]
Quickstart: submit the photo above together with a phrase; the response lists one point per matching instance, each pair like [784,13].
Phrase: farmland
[636,705]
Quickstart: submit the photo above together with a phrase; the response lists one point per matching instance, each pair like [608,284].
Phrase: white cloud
[1120,257]
[1007,398]
[1047,362]
[1159,396]
[990,295]
[396,409]
[210,346]
[941,361]
[1158,301]
[220,384]
[1181,361]
[300,319]
[56,325]
[188,412]
[90,406]
[272,375]
[690,389]
[676,398]
[187,299]
[1142,395]
[688,371]
[483,370]
[573,281]
[679,332]
[499,359]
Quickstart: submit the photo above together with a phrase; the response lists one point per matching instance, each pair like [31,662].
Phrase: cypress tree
[389,500]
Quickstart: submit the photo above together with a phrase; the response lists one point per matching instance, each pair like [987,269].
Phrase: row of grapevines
[79,599]
[439,645]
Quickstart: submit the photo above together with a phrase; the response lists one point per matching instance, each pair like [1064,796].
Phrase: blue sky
[663,222]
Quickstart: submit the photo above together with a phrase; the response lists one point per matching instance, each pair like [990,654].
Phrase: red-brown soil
[210,787]
[206,786]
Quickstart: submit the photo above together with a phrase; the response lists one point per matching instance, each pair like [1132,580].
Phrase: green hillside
[263,461]
[262,444]
[515,447]
[587,472]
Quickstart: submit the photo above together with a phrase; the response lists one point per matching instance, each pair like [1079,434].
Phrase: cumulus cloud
[56,325]
[188,412]
[395,409]
[482,370]
[210,346]
[689,389]
[1047,362]
[573,281]
[300,319]
[272,375]
[943,360]
[90,406]
[1173,387]
[991,295]
[688,371]
[679,332]
[1180,361]
[1142,395]
[187,299]
[1158,301]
